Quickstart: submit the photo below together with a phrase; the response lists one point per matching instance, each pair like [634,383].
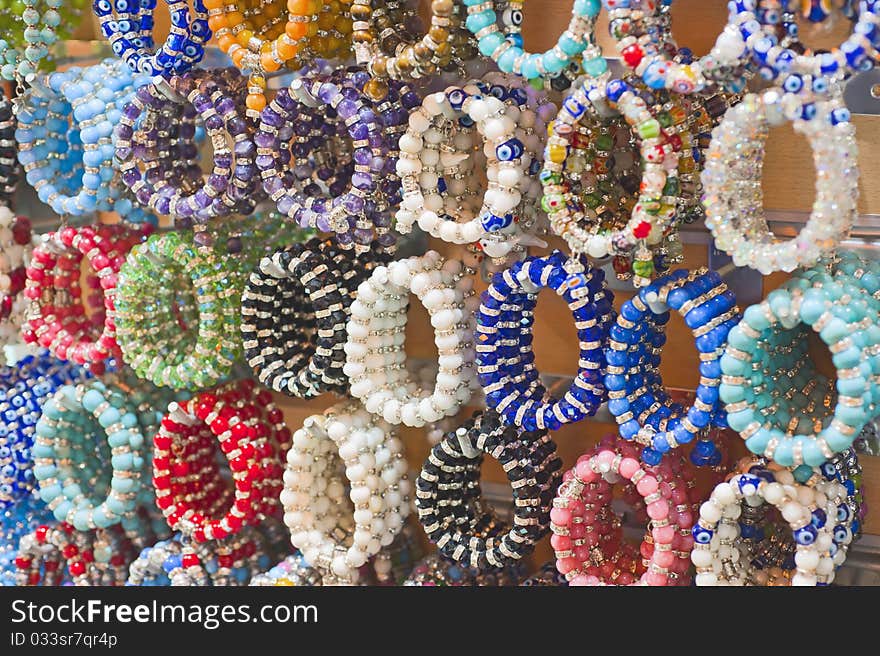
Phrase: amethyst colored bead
[363,236]
[236,126]
[264,140]
[285,204]
[203,238]
[347,109]
[322,224]
[218,182]
[214,122]
[359,131]
[327,92]
[223,160]
[245,148]
[201,199]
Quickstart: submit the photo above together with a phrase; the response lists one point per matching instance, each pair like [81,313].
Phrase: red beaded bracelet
[587,535]
[57,318]
[191,489]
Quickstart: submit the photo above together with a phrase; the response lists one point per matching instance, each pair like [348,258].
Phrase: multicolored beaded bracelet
[294,312]
[505,361]
[588,540]
[506,47]
[733,197]
[123,24]
[16,247]
[636,396]
[338,529]
[436,570]
[191,490]
[16,521]
[57,318]
[448,496]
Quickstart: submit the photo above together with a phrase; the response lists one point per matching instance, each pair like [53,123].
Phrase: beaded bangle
[587,538]
[448,492]
[435,180]
[16,246]
[174,338]
[505,361]
[722,543]
[9,169]
[294,570]
[232,187]
[16,521]
[433,53]
[23,50]
[359,215]
[336,536]
[79,107]
[182,49]
[435,570]
[57,318]
[191,491]
[733,197]
[294,311]
[71,465]
[505,48]
[376,360]
[636,397]
[643,40]
[54,554]
[25,388]
[802,434]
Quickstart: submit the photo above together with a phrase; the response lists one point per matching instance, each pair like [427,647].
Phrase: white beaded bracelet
[722,553]
[14,256]
[732,180]
[340,521]
[376,360]
[504,120]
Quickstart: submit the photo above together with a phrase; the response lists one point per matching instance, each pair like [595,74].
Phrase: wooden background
[788,184]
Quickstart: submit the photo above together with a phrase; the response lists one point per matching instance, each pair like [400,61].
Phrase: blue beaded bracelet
[127,29]
[636,396]
[505,361]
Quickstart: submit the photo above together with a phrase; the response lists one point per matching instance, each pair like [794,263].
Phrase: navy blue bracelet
[636,396]
[505,361]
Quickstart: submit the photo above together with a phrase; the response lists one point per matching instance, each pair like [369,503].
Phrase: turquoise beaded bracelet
[507,50]
[770,387]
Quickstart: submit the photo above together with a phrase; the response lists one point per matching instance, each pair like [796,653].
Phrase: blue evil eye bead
[519,96]
[509,150]
[794,83]
[843,513]
[808,111]
[456,98]
[466,121]
[512,17]
[840,115]
[806,535]
[493,222]
[748,484]
[828,470]
[498,91]
[702,535]
[841,534]
[820,85]
[819,517]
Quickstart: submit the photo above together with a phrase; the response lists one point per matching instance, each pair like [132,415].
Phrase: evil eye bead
[702,535]
[843,513]
[493,222]
[498,91]
[818,518]
[842,534]
[806,535]
[793,83]
[519,96]
[509,150]
[748,484]
[840,115]
[820,85]
[512,17]
[456,98]
[829,471]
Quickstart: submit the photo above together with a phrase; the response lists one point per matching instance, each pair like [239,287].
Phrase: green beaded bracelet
[773,395]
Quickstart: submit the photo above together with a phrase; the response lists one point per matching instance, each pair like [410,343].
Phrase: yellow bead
[557,153]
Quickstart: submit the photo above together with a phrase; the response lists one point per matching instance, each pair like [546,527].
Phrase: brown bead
[422,52]
[442,7]
[361,12]
[439,34]
[379,66]
[362,36]
[376,90]
[443,49]
[404,63]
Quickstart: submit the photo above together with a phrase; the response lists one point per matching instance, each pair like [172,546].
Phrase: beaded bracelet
[644,41]
[360,214]
[182,49]
[16,521]
[733,197]
[435,180]
[546,576]
[376,359]
[16,247]
[431,54]
[722,543]
[56,553]
[636,396]
[294,570]
[193,494]
[435,571]
[24,50]
[232,187]
[294,311]
[505,361]
[25,388]
[81,108]
[448,496]
[802,434]
[336,529]
[176,335]
[71,464]
[57,317]
[588,540]
[505,47]
[9,169]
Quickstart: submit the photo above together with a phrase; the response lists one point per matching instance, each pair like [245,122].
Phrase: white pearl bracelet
[732,181]
[723,555]
[338,530]
[376,360]
[436,164]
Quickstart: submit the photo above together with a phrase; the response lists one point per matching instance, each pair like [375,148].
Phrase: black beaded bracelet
[9,169]
[294,312]
[449,499]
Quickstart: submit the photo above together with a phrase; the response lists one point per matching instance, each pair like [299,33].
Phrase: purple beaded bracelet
[361,213]
[217,97]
